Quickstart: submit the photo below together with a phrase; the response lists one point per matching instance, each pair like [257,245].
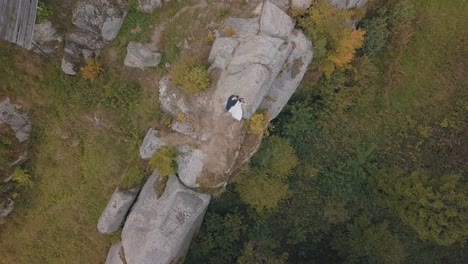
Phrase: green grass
[85,136]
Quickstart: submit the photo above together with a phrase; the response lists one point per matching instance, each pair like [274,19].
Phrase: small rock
[148,6]
[111,27]
[151,144]
[46,37]
[67,67]
[348,4]
[141,55]
[274,21]
[190,165]
[114,214]
[301,4]
[11,115]
[6,207]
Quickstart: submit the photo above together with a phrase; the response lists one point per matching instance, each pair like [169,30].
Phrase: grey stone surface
[244,27]
[190,165]
[302,4]
[46,37]
[114,214]
[11,114]
[263,50]
[184,128]
[111,27]
[171,100]
[6,207]
[159,230]
[115,255]
[151,144]
[252,84]
[67,67]
[148,6]
[96,23]
[274,21]
[222,48]
[348,4]
[141,55]
[291,74]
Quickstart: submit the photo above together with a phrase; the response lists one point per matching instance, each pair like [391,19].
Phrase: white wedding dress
[236,111]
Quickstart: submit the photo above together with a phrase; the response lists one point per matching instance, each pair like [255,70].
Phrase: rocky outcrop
[141,55]
[151,144]
[116,210]
[96,23]
[301,4]
[191,165]
[275,22]
[159,230]
[115,255]
[46,38]
[348,4]
[19,122]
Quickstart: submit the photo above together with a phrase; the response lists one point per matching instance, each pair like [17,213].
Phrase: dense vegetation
[367,164]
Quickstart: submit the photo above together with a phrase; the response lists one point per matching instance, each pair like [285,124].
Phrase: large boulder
[243,27]
[141,55]
[114,214]
[171,100]
[115,255]
[274,21]
[190,165]
[19,122]
[96,23]
[151,144]
[348,4]
[291,74]
[46,37]
[158,230]
[301,4]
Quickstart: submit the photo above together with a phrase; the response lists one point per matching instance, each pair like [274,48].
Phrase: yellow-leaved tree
[333,34]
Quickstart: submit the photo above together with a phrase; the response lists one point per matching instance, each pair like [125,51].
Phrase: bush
[376,36]
[257,124]
[191,75]
[91,70]
[165,161]
[22,178]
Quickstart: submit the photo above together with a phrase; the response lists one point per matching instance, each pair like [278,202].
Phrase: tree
[436,209]
[362,242]
[330,28]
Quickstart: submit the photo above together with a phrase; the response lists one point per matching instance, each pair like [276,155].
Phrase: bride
[236,110]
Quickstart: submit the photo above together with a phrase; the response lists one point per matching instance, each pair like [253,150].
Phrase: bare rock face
[46,37]
[116,210]
[302,4]
[348,4]
[97,22]
[191,165]
[159,230]
[115,255]
[19,122]
[274,21]
[148,6]
[151,144]
[141,55]
[290,76]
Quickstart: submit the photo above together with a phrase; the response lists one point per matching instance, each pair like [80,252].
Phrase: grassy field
[85,135]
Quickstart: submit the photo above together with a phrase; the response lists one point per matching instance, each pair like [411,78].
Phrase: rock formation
[15,129]
[141,55]
[97,22]
[116,210]
[159,229]
[348,4]
[263,62]
[46,38]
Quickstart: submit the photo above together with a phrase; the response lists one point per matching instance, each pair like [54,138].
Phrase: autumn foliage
[332,32]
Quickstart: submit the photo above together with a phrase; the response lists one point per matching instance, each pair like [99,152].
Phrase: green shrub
[376,36]
[44,10]
[165,161]
[191,75]
[22,178]
[134,176]
[257,124]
